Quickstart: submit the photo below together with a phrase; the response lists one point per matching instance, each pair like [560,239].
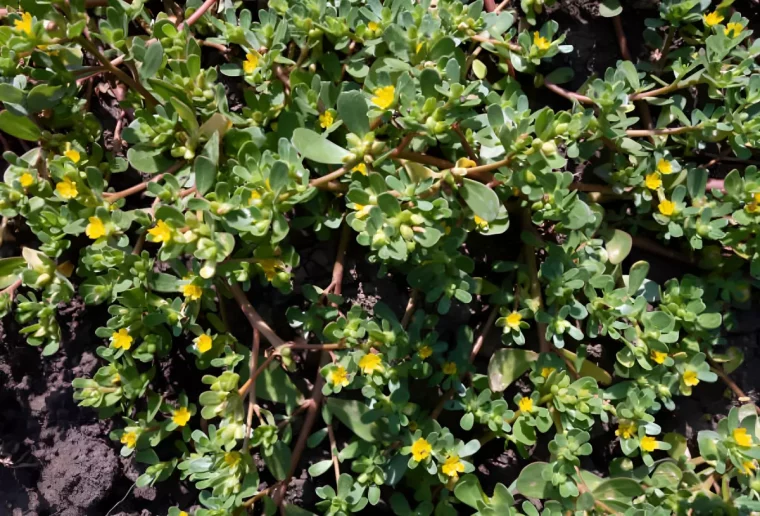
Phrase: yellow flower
[370,363]
[658,356]
[513,320]
[192,292]
[742,438]
[326,120]
[255,196]
[664,167]
[129,439]
[421,449]
[373,26]
[480,222]
[419,47]
[690,378]
[361,168]
[26,179]
[24,24]
[338,377]
[425,352]
[384,97]
[95,229]
[735,28]
[161,232]
[748,466]
[250,63]
[713,18]
[203,343]
[756,197]
[648,444]
[666,207]
[449,368]
[751,207]
[183,513]
[626,429]
[232,458]
[525,404]
[546,371]
[72,154]
[465,163]
[121,339]
[67,188]
[453,467]
[270,267]
[653,181]
[181,416]
[541,42]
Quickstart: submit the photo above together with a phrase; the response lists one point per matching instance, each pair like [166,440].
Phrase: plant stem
[322,182]
[334,452]
[150,100]
[661,132]
[423,158]
[717,369]
[465,143]
[252,407]
[535,284]
[569,95]
[253,316]
[410,307]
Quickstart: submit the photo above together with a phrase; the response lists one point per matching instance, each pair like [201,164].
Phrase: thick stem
[252,407]
[334,452]
[323,181]
[424,159]
[622,42]
[115,196]
[569,95]
[661,132]
[253,316]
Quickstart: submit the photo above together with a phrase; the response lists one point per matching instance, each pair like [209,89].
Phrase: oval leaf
[316,148]
[482,200]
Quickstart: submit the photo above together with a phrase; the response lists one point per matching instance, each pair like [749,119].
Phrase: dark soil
[57,458]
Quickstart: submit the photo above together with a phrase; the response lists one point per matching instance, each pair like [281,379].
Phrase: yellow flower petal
[72,154]
[129,439]
[626,429]
[338,377]
[121,339]
[95,229]
[203,343]
[658,356]
[361,168]
[713,18]
[452,467]
[742,438]
[425,352]
[370,363]
[192,292]
[181,416]
[525,404]
[24,24]
[384,97]
[653,181]
[540,42]
[326,119]
[449,368]
[26,180]
[421,449]
[513,320]
[648,444]
[733,29]
[666,207]
[664,167]
[67,189]
[690,378]
[251,63]
[161,232]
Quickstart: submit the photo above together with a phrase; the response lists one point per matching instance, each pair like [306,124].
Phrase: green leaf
[19,126]
[162,282]
[205,166]
[507,365]
[479,69]
[618,489]
[44,97]
[589,368]
[482,200]
[352,109]
[275,385]
[148,160]
[11,266]
[11,94]
[278,461]
[317,148]
[318,468]
[469,491]
[636,276]
[352,413]
[561,75]
[678,444]
[610,8]
[709,321]
[154,57]
[531,482]
[618,246]
[732,183]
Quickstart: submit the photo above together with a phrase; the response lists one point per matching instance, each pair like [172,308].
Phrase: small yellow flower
[370,363]
[733,29]
[742,438]
[713,18]
[183,513]
[161,232]
[465,163]
[546,371]
[648,444]
[121,339]
[541,42]
[250,63]
[752,207]
[690,378]
[513,320]
[756,197]
[232,459]
[425,352]
[338,377]
[181,416]
[95,229]
[626,429]
[26,180]
[666,207]
[192,292]
[270,267]
[525,404]
[653,181]
[421,449]
[361,168]
[72,154]
[373,26]
[326,119]
[419,47]
[24,24]
[453,467]
[129,439]
[67,189]
[748,466]
[658,356]
[449,368]
[664,167]
[481,223]
[203,343]
[384,97]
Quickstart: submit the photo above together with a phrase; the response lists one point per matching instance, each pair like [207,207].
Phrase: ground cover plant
[441,144]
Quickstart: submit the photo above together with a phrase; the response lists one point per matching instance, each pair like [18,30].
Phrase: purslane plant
[403,130]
